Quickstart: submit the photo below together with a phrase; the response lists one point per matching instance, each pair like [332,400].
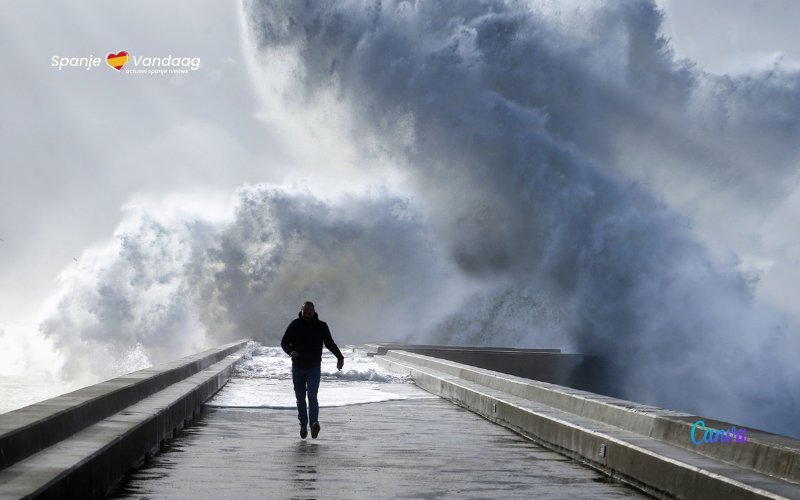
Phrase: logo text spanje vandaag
[118,60]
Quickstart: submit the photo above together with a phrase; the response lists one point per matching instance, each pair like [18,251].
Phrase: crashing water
[262,379]
[556,152]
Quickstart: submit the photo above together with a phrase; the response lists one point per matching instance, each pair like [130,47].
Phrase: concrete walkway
[423,447]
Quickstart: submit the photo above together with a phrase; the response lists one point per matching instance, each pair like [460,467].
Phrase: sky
[736,36]
[79,145]
[84,153]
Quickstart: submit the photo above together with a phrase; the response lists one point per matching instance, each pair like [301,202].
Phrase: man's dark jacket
[306,337]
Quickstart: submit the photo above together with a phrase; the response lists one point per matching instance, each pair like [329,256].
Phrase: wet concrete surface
[423,447]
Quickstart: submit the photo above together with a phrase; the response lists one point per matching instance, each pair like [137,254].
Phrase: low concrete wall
[384,347]
[588,373]
[644,445]
[80,444]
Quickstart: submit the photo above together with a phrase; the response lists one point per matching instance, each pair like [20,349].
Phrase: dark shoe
[315,430]
[303,431]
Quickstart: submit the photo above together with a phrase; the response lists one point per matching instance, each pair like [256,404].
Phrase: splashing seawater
[262,379]
[565,160]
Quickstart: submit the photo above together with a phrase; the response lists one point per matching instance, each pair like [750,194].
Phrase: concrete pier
[423,447]
[551,441]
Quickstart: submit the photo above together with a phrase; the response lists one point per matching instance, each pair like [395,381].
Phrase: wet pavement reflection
[415,448]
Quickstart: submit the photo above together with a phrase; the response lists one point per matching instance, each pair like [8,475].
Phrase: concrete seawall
[579,371]
[646,446]
[80,444]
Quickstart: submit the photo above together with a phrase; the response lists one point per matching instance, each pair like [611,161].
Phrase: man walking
[303,341]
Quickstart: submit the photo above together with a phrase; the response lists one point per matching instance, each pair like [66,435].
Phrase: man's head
[307,310]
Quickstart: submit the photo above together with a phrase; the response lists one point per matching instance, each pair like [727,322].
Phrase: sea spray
[170,284]
[534,138]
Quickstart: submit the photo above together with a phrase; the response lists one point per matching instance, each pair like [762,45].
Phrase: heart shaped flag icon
[118,60]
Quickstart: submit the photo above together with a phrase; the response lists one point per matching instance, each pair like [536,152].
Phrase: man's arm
[286,342]
[327,339]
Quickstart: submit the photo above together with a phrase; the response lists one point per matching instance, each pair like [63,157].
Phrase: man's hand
[340,364]
[294,354]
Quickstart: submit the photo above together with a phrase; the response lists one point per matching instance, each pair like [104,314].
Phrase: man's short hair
[308,303]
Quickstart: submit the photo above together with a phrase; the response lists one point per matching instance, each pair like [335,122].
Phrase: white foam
[273,363]
[262,379]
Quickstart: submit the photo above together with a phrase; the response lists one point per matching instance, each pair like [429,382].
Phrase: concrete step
[32,428]
[89,463]
[618,437]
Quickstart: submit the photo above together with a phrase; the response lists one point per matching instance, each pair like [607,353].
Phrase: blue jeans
[306,380]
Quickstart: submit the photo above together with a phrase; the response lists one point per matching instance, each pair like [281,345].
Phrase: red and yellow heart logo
[118,60]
